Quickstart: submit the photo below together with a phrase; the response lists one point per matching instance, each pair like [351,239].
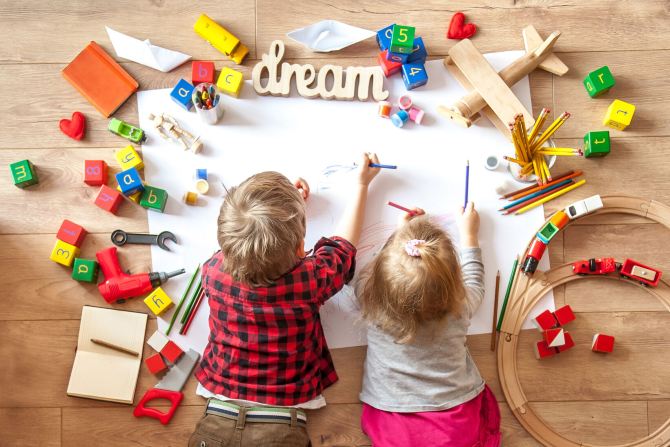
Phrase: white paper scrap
[145,53]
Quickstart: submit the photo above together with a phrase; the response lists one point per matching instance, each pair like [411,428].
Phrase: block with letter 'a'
[414,75]
[129,181]
[181,94]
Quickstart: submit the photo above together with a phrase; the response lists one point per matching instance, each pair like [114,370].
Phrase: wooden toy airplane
[490,90]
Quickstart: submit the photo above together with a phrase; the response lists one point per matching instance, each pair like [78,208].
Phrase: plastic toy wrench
[120,237]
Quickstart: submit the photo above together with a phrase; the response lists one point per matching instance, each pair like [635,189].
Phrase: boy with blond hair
[267,358]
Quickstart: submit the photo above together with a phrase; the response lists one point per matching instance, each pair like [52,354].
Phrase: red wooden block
[95,172]
[545,321]
[564,315]
[542,350]
[71,233]
[554,337]
[109,199]
[202,72]
[569,343]
[602,343]
[388,67]
[172,352]
[155,363]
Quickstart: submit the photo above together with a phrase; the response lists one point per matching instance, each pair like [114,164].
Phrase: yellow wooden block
[230,81]
[64,253]
[134,197]
[129,158]
[158,301]
[619,114]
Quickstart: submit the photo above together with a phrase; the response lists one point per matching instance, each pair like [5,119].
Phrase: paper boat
[145,53]
[329,35]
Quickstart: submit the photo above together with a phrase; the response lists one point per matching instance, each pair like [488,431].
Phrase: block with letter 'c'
[230,81]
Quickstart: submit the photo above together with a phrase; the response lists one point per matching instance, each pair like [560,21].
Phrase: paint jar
[416,114]
[207,103]
[492,162]
[399,118]
[202,186]
[384,109]
[190,198]
[405,102]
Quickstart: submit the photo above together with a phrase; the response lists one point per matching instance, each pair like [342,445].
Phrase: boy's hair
[260,228]
[398,292]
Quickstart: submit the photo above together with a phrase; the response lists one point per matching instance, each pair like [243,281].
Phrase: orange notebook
[102,81]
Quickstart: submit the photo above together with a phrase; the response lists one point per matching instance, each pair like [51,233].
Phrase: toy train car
[593,266]
[630,269]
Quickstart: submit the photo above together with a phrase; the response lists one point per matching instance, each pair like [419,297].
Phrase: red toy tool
[119,285]
[168,388]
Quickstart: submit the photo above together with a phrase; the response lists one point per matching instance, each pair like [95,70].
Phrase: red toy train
[631,269]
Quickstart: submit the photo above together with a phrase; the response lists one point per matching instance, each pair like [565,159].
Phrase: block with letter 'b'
[202,72]
[154,198]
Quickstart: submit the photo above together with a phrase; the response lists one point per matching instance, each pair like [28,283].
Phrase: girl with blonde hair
[420,385]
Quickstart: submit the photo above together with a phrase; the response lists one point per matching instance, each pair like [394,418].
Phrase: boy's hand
[365,172]
[469,226]
[406,217]
[302,186]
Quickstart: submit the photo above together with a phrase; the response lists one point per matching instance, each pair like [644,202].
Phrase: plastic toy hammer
[119,285]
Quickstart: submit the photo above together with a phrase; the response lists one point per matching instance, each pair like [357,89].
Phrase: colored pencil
[528,202]
[181,302]
[535,194]
[531,189]
[376,165]
[467,183]
[527,188]
[400,207]
[109,345]
[191,302]
[509,288]
[551,130]
[184,329]
[495,313]
[558,193]
[538,124]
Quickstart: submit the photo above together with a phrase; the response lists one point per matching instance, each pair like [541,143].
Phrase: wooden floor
[587,397]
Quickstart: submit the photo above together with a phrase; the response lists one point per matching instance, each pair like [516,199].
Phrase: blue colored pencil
[375,165]
[535,194]
[467,183]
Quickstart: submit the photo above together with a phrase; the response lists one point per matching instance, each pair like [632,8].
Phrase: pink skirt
[475,423]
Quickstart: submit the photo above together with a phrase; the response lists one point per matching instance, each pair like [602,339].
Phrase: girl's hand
[469,226]
[302,186]
[406,217]
[365,172]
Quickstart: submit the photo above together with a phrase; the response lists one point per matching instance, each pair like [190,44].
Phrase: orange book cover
[98,77]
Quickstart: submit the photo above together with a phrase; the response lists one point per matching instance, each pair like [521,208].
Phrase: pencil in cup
[207,101]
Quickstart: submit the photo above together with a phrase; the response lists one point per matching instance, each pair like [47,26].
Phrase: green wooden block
[85,270]
[154,198]
[599,81]
[402,39]
[596,144]
[23,173]
[548,232]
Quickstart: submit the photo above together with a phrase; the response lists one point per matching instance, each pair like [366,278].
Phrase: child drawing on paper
[420,384]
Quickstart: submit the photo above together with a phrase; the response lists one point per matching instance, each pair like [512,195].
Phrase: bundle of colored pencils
[529,151]
[191,307]
[535,195]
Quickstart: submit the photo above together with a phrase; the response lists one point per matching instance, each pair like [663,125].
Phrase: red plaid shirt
[266,344]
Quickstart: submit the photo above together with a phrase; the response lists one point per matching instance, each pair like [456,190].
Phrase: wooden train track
[528,290]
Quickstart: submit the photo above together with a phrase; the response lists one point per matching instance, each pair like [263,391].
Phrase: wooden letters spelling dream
[311,84]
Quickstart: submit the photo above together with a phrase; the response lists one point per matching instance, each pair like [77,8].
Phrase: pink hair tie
[411,249]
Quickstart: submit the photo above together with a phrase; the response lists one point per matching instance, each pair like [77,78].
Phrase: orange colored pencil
[535,199]
[527,188]
[521,193]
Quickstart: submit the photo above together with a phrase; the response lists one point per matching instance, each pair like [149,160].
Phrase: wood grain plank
[30,427]
[658,413]
[56,31]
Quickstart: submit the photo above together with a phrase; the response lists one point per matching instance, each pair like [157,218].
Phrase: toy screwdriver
[119,285]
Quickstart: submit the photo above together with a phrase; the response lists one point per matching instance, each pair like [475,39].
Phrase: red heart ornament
[458,29]
[74,128]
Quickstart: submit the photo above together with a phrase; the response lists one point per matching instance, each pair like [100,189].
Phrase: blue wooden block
[414,75]
[419,53]
[129,182]
[396,57]
[181,94]
[201,174]
[384,37]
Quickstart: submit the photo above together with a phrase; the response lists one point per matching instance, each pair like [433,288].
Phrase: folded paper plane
[145,53]
[329,35]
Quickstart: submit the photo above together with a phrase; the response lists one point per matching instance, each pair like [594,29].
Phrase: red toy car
[600,266]
[645,275]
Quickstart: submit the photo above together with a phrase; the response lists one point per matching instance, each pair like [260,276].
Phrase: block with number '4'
[414,75]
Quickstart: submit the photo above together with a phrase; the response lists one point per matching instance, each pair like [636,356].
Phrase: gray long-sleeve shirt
[434,371]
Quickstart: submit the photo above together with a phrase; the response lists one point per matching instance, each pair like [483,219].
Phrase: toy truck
[593,266]
[127,131]
[641,273]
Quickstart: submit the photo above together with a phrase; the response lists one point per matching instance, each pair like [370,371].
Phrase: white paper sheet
[144,52]
[318,139]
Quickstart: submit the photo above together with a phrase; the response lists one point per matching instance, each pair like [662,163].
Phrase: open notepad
[102,373]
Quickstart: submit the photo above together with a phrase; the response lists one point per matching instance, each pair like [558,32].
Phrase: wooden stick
[109,345]
[494,332]
[558,193]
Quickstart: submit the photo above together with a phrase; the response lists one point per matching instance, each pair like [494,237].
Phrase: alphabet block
[384,37]
[85,270]
[596,144]
[171,352]
[158,301]
[108,199]
[155,364]
[414,75]
[202,71]
[402,39]
[599,81]
[71,233]
[396,57]
[154,198]
[201,174]
[95,172]
[619,114]
[23,173]
[230,81]
[129,158]
[133,197]
[388,67]
[64,253]
[129,181]
[181,94]
[419,53]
